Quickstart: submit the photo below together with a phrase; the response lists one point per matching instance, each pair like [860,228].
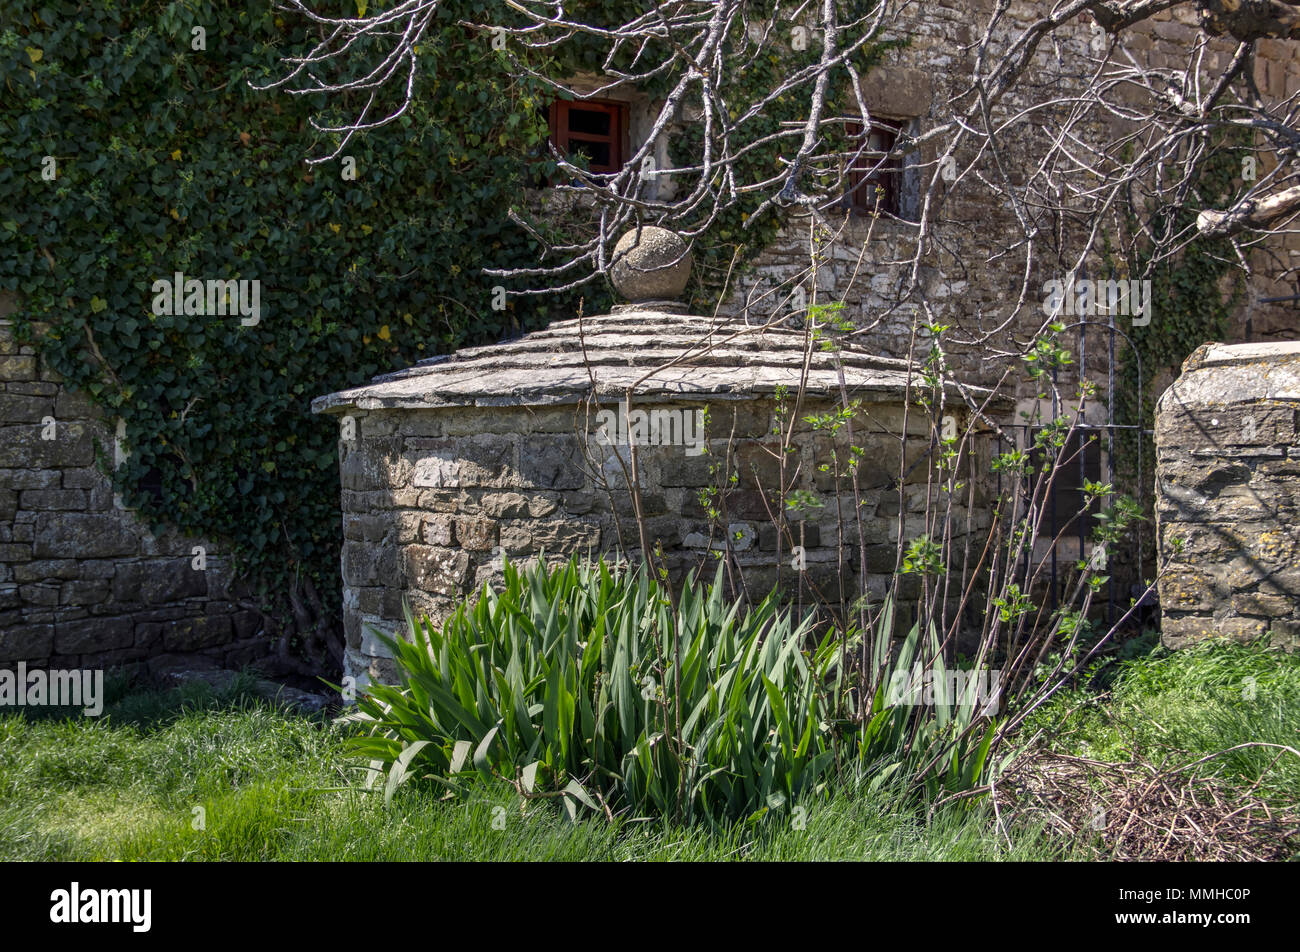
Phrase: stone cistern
[518,448]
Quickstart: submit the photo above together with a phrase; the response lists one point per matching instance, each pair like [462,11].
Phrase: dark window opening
[1065,498]
[151,482]
[593,129]
[874,181]
[590,122]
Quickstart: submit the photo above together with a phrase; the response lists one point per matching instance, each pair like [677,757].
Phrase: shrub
[584,683]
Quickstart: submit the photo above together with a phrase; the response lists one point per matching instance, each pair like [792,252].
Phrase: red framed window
[873,184]
[596,128]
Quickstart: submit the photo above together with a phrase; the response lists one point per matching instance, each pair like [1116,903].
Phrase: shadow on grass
[133,701]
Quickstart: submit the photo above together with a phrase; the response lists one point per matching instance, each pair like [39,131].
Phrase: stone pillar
[1228,495]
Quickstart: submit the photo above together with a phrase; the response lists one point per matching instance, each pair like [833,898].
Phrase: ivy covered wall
[138,150]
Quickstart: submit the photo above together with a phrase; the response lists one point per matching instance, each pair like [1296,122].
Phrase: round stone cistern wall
[522,448]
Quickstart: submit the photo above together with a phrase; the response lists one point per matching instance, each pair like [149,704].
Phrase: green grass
[1173,707]
[276,786]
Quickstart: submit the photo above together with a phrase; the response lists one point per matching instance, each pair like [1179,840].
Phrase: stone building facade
[968,278]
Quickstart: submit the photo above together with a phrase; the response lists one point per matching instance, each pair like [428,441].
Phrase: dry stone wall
[1228,495]
[434,499]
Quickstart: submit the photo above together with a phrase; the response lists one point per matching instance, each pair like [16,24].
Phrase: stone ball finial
[655,268]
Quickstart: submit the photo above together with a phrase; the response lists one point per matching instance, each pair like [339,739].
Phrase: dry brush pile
[1136,810]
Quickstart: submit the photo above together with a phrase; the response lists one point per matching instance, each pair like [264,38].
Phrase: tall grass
[124,787]
[273,785]
[1174,707]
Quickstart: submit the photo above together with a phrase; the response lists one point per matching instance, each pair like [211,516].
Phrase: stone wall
[434,498]
[1228,495]
[82,582]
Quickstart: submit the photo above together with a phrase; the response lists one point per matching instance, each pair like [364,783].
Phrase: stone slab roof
[709,359]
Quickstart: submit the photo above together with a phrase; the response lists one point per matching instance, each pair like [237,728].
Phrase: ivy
[165,160]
